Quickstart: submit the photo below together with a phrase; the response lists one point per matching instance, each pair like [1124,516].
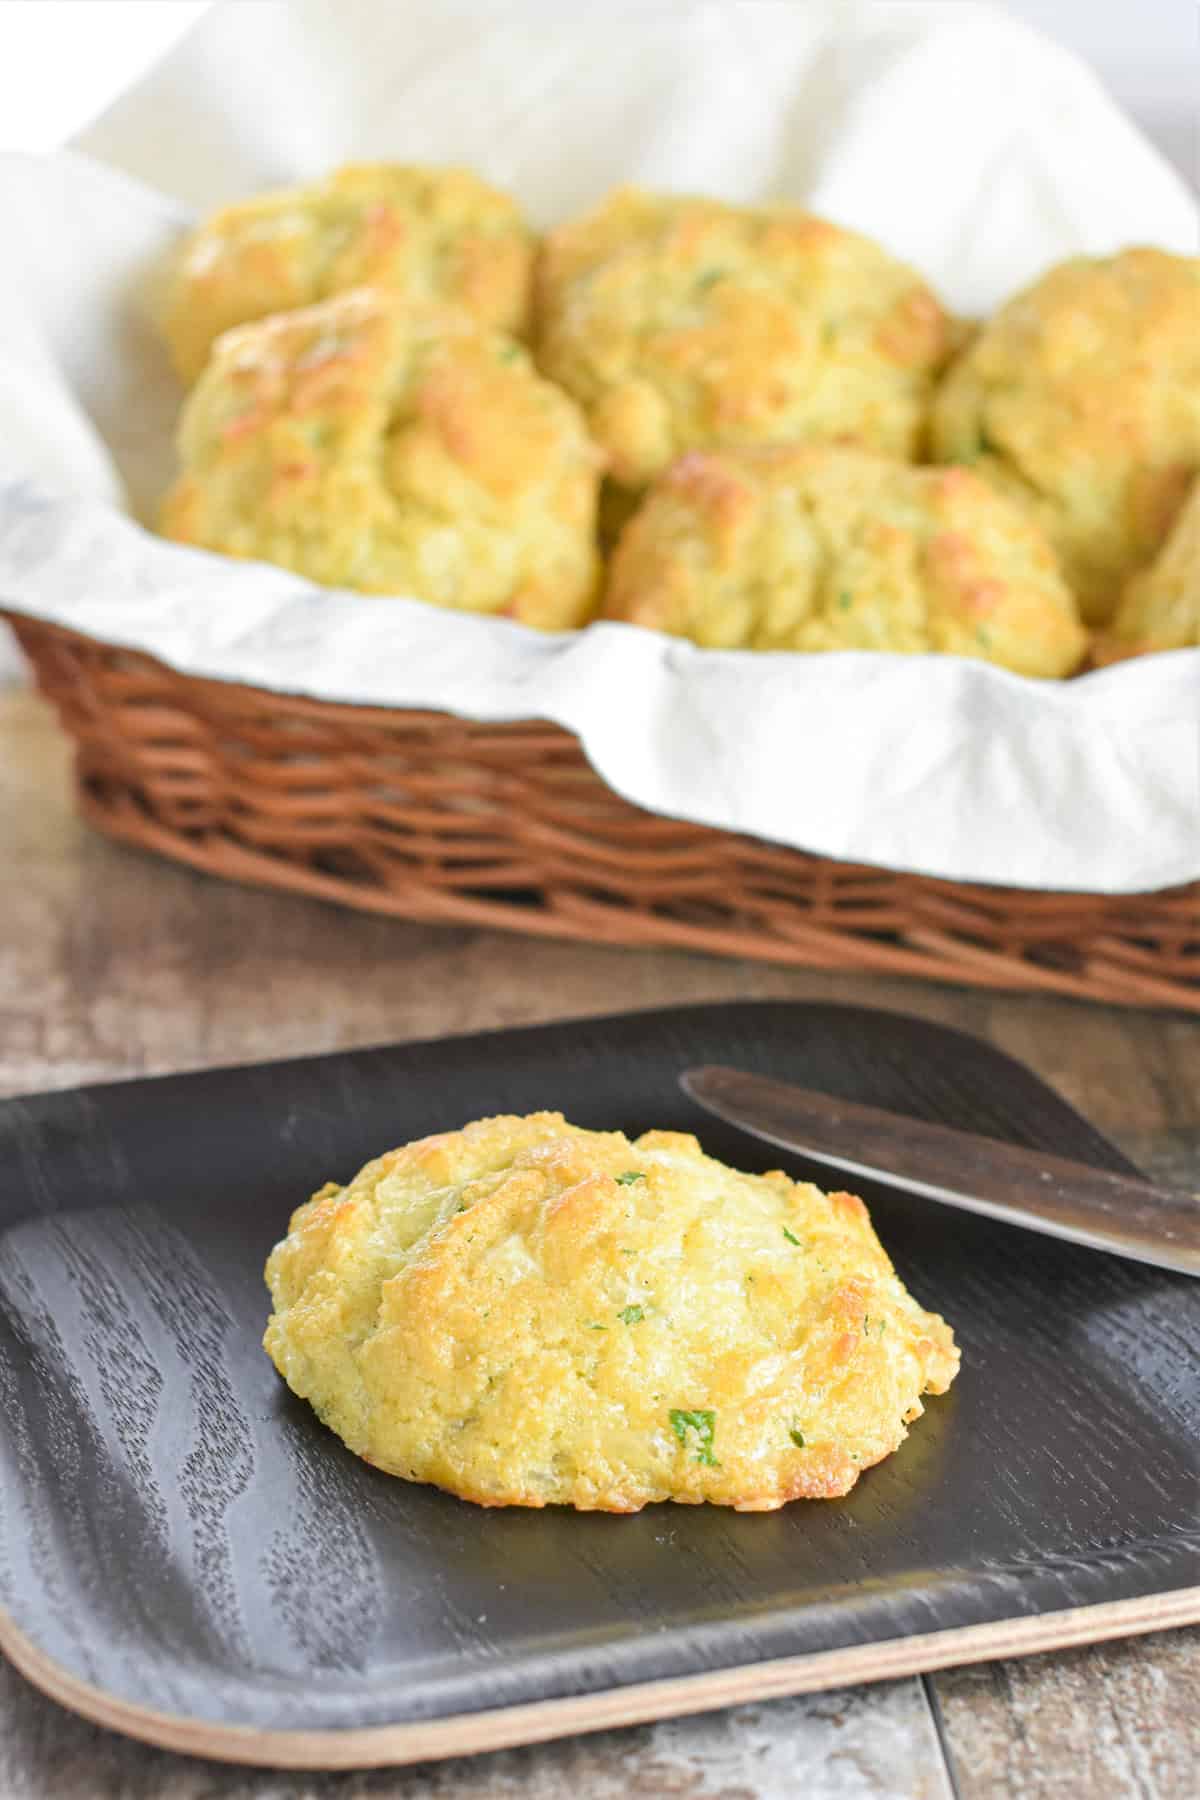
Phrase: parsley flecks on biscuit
[370,444]
[683,324]
[526,1313]
[440,236]
[815,548]
[1081,399]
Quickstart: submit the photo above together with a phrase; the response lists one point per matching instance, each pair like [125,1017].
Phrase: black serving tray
[188,1555]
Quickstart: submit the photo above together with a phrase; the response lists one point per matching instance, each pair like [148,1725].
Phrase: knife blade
[1051,1194]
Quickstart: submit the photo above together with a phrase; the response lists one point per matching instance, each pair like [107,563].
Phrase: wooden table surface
[112,964]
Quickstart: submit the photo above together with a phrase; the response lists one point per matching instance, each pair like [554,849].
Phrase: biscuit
[530,1314]
[438,236]
[684,324]
[813,548]
[1081,399]
[369,444]
[1160,608]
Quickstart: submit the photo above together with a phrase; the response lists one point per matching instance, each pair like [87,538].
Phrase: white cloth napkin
[959,138]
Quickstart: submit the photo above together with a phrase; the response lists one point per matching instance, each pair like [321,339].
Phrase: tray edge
[470,1734]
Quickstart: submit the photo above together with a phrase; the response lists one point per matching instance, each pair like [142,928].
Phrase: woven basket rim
[447,820]
[250,697]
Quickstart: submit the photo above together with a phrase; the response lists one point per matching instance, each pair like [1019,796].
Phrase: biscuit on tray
[683,323]
[440,236]
[367,443]
[1081,399]
[528,1314]
[815,548]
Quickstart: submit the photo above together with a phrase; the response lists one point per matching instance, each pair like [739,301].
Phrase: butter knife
[1064,1199]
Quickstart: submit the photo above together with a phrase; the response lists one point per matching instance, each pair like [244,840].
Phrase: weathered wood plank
[1111,1720]
[113,964]
[856,1744]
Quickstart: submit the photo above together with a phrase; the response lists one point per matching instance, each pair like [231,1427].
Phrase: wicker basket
[426,816]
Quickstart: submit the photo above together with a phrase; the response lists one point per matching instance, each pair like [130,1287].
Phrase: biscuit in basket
[686,323]
[438,235]
[371,444]
[1081,399]
[813,548]
[1160,608]
[530,1314]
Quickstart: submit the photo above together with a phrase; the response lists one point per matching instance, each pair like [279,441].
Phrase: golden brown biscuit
[530,1314]
[684,323]
[811,548]
[1160,608]
[372,445]
[1081,399]
[438,236]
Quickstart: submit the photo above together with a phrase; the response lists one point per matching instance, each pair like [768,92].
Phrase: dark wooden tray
[187,1555]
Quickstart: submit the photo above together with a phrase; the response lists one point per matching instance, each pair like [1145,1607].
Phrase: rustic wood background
[112,964]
